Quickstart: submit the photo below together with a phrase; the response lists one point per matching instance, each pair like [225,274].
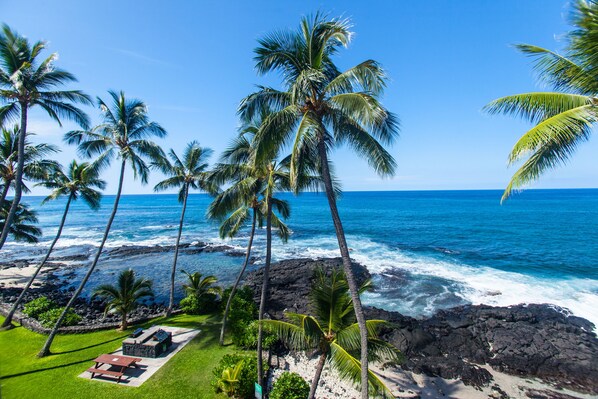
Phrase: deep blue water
[427,249]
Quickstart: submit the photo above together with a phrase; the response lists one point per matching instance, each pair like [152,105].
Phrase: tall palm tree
[123,297]
[186,174]
[319,109]
[81,180]
[257,185]
[23,227]
[333,333]
[35,167]
[25,82]
[124,135]
[564,118]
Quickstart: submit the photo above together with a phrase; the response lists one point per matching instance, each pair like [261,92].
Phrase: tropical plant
[333,333]
[243,312]
[246,376]
[124,134]
[35,167]
[564,118]
[230,380]
[122,298]
[201,292]
[27,81]
[290,386]
[48,318]
[186,174]
[321,108]
[81,180]
[37,306]
[23,227]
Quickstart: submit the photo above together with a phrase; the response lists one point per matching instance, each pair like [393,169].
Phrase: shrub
[248,338]
[49,318]
[205,304]
[243,312]
[38,306]
[247,375]
[290,386]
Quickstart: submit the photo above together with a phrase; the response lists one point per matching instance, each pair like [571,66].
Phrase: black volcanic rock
[537,340]
[290,283]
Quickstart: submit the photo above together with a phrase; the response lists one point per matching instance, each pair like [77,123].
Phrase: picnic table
[123,362]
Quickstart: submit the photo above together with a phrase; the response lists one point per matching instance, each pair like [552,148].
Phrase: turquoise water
[427,250]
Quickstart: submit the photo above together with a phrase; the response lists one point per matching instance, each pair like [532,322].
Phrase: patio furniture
[117,361]
[152,343]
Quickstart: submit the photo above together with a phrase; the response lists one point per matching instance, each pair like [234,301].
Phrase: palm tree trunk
[8,320]
[124,325]
[316,380]
[176,253]
[19,177]
[344,249]
[263,299]
[5,191]
[46,349]
[239,277]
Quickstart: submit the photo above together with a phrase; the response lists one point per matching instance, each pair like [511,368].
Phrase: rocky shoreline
[531,341]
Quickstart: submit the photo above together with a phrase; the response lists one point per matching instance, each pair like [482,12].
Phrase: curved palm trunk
[264,297]
[5,191]
[344,249]
[19,177]
[176,253]
[46,349]
[239,277]
[316,380]
[11,313]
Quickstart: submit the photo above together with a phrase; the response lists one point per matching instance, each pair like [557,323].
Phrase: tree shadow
[46,369]
[91,346]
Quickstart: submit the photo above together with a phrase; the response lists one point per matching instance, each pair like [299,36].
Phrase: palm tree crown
[81,180]
[199,286]
[564,118]
[23,227]
[124,133]
[35,167]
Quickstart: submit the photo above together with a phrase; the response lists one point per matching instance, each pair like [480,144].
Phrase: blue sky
[191,62]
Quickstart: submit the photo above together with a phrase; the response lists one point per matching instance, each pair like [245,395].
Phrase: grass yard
[186,375]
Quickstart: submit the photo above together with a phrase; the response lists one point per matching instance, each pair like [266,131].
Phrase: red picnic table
[123,362]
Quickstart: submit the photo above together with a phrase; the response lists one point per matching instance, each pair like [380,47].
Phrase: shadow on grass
[4,377]
[91,346]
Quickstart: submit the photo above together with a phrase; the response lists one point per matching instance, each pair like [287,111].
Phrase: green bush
[248,338]
[38,306]
[290,386]
[243,312]
[247,377]
[49,318]
[207,303]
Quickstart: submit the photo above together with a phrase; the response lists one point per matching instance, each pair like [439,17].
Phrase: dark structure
[152,343]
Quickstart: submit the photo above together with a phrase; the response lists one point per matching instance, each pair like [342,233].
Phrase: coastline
[471,370]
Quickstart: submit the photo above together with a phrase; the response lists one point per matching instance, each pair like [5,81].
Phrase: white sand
[18,276]
[405,384]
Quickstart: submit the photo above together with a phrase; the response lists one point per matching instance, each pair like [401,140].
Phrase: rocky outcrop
[538,340]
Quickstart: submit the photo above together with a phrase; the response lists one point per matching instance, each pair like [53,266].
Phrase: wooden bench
[95,371]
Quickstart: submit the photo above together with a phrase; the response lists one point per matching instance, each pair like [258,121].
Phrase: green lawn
[186,375]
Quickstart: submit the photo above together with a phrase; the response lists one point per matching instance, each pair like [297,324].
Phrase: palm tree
[188,173]
[123,297]
[26,82]
[564,118]
[81,180]
[319,109]
[125,135]
[23,227]
[200,286]
[35,168]
[332,331]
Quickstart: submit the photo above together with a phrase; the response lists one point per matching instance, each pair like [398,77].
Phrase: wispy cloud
[141,57]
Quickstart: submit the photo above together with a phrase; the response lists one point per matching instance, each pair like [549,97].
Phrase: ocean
[427,250]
